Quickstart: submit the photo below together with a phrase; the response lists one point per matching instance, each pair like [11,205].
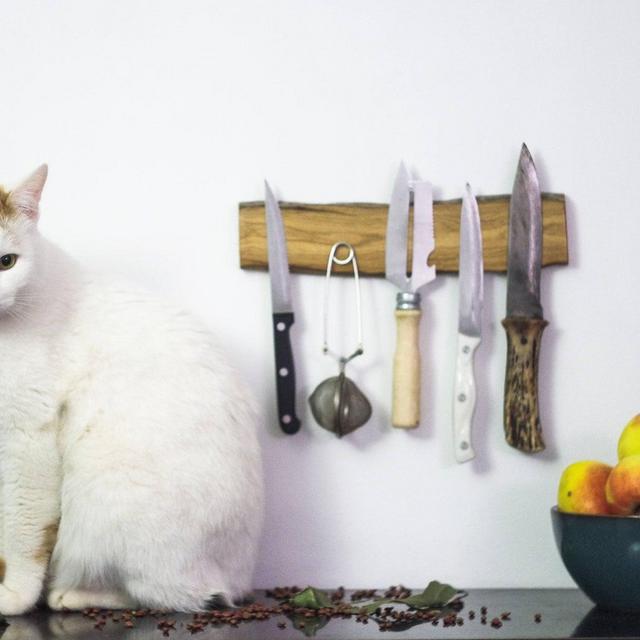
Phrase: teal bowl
[602,555]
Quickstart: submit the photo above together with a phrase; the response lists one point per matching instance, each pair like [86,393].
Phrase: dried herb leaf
[311,598]
[435,596]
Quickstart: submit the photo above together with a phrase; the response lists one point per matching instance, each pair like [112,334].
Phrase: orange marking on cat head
[7,210]
[22,201]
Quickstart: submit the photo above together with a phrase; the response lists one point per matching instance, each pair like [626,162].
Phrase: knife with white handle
[406,365]
[470,310]
[282,314]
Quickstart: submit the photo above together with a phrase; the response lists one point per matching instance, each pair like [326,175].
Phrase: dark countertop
[564,613]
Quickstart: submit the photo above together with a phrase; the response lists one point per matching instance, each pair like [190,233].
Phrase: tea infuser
[337,403]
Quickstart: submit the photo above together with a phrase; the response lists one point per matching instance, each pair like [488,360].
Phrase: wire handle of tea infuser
[351,258]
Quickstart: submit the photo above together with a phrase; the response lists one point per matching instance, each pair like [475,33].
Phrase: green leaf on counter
[435,596]
[311,598]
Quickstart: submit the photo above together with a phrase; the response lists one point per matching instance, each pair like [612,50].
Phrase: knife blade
[469,333]
[524,323]
[282,314]
[406,368]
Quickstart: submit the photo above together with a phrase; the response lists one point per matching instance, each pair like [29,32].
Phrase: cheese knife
[469,312]
[282,314]
[406,366]
[524,323]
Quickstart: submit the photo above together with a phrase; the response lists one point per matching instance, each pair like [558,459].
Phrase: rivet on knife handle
[464,398]
[282,313]
[471,269]
[285,373]
[521,415]
[406,362]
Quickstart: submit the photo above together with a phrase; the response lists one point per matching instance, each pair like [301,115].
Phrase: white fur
[119,416]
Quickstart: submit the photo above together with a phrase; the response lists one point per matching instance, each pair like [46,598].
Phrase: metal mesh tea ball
[339,406]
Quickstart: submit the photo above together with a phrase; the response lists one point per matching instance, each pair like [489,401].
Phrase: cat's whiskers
[12,312]
[17,314]
[29,295]
[22,307]
[27,300]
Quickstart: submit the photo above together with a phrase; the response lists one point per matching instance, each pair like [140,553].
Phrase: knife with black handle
[282,314]
[524,323]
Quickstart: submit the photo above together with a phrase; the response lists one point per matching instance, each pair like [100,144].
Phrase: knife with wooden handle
[282,315]
[405,411]
[524,323]
[469,319]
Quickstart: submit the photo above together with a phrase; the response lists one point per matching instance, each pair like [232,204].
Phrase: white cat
[129,462]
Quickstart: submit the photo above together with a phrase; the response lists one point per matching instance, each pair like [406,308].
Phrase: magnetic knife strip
[312,228]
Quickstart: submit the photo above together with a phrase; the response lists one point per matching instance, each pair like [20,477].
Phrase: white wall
[157,118]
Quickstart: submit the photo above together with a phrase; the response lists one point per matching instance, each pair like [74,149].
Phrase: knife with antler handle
[405,411]
[282,314]
[524,323]
[469,316]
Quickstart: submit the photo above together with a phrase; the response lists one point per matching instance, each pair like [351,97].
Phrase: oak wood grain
[311,229]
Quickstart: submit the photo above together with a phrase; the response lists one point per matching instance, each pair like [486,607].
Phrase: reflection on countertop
[532,614]
[599,623]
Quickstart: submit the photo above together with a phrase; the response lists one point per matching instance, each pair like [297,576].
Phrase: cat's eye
[7,261]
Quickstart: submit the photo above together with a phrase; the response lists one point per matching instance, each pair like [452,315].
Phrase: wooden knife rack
[311,229]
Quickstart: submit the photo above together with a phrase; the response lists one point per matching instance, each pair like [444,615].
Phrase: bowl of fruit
[596,524]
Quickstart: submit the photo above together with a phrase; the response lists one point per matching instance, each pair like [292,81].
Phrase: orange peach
[582,488]
[623,486]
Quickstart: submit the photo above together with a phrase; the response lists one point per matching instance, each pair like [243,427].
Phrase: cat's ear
[26,196]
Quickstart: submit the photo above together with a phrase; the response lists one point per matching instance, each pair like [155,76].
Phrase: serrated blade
[278,259]
[424,241]
[525,242]
[470,267]
[397,233]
